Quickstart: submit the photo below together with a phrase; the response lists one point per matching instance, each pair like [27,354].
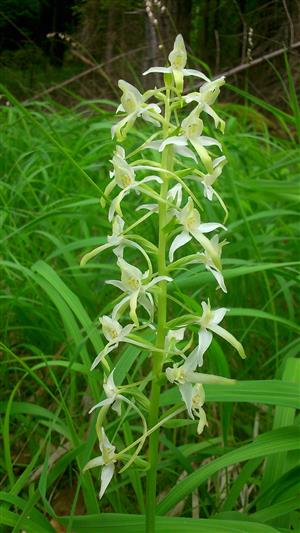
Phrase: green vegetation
[54,165]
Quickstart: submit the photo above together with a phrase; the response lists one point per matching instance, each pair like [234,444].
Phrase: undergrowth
[54,161]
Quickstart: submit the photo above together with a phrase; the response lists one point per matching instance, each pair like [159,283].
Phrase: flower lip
[111,328]
[131,280]
[124,173]
[192,127]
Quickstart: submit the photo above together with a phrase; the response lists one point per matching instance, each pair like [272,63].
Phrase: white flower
[137,291]
[211,264]
[192,127]
[133,103]
[123,175]
[172,338]
[209,322]
[174,197]
[114,333]
[206,97]
[194,398]
[180,149]
[189,218]
[190,385]
[192,395]
[117,241]
[113,397]
[106,460]
[185,373]
[178,58]
[207,180]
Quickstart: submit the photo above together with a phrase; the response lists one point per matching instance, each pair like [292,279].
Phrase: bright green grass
[53,163]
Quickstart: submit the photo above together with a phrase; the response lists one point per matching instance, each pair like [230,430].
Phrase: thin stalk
[157,357]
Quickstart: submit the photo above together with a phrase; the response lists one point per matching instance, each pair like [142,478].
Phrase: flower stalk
[157,357]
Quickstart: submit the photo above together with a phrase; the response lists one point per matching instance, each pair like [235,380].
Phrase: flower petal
[116,283]
[162,70]
[185,152]
[106,350]
[95,252]
[154,145]
[202,421]
[126,330]
[106,477]
[191,362]
[148,118]
[204,341]
[146,301]
[97,461]
[193,72]
[218,315]
[151,178]
[203,153]
[219,278]
[179,241]
[210,226]
[186,391]
[117,129]
[178,78]
[120,306]
[133,305]
[204,379]
[115,204]
[208,247]
[149,207]
[107,401]
[156,280]
[209,141]
[219,123]
[229,338]
[177,140]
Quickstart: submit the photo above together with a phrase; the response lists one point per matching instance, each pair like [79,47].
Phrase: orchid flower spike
[209,324]
[178,59]
[206,97]
[107,460]
[137,291]
[190,219]
[133,103]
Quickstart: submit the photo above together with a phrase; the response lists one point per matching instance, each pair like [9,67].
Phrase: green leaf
[284,416]
[116,523]
[195,278]
[283,439]
[277,510]
[8,518]
[270,392]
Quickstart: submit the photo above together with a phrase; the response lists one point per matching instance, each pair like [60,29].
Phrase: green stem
[157,357]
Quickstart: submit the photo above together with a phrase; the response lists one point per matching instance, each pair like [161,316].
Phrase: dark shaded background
[46,43]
